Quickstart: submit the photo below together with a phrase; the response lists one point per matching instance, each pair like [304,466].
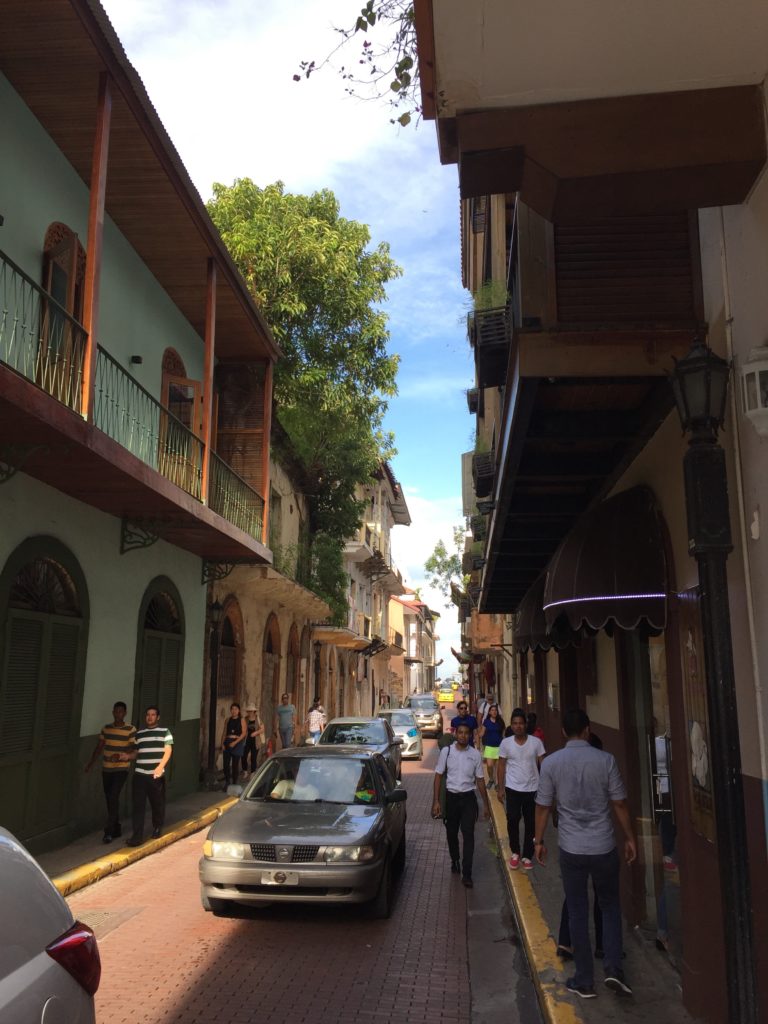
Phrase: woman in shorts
[491,735]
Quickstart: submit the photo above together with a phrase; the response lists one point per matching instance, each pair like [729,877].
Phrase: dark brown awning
[611,566]
[530,623]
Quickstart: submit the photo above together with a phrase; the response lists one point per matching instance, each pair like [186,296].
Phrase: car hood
[274,821]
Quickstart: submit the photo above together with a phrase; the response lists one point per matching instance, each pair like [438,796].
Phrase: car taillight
[76,951]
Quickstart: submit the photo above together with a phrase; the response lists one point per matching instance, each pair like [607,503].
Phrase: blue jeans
[315,736]
[576,870]
[286,737]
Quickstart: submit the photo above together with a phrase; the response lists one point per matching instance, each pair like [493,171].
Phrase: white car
[49,963]
[404,724]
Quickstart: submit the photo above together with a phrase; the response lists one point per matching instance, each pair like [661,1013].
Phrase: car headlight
[224,851]
[335,854]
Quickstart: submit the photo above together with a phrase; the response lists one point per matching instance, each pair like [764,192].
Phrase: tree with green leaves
[320,285]
[386,66]
[443,567]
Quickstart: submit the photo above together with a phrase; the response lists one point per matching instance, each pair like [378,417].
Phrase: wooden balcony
[134,460]
[601,310]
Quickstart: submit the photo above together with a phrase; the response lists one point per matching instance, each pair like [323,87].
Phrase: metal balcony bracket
[136,534]
[13,457]
[213,571]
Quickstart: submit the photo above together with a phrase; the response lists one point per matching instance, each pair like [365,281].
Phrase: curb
[78,878]
[546,968]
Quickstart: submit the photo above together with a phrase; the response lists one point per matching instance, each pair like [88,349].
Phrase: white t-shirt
[522,770]
[463,767]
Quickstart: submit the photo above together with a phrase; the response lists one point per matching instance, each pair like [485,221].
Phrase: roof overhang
[582,110]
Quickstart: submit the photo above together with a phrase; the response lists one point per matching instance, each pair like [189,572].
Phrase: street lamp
[214,617]
[700,386]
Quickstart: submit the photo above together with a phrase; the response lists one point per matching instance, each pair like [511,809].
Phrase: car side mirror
[399,740]
[396,796]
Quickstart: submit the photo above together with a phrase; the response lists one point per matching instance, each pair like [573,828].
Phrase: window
[180,395]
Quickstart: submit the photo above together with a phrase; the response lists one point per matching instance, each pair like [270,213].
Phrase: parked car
[403,722]
[374,733]
[322,824]
[427,712]
[49,963]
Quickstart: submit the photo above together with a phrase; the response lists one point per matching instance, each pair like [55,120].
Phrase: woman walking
[254,739]
[491,735]
[233,744]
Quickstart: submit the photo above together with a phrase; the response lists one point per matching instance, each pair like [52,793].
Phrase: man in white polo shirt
[516,783]
[462,766]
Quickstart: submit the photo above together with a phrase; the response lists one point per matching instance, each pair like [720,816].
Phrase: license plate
[279,878]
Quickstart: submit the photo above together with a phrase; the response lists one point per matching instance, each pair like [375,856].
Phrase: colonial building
[135,389]
[615,210]
[419,658]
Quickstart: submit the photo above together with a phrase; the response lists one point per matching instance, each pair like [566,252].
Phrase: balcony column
[268,371]
[95,241]
[210,339]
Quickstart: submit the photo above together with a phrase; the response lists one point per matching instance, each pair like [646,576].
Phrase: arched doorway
[342,685]
[44,603]
[270,673]
[330,684]
[306,692]
[160,653]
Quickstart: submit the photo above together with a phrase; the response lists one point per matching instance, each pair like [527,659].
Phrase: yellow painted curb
[546,968]
[87,874]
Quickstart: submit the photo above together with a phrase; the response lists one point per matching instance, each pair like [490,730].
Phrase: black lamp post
[700,385]
[214,617]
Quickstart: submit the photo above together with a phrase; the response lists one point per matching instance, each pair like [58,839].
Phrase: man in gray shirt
[587,786]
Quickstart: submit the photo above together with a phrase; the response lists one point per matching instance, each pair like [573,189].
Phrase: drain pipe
[744,536]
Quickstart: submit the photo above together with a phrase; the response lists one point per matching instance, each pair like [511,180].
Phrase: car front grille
[299,854]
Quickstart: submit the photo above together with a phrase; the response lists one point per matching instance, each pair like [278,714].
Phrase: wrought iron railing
[234,499]
[126,412]
[38,338]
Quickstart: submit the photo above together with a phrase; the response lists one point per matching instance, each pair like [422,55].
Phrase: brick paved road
[165,960]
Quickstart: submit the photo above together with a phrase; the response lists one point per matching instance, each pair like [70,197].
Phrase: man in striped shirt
[114,739]
[152,751]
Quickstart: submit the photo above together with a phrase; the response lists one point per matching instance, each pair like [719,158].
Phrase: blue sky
[220,75]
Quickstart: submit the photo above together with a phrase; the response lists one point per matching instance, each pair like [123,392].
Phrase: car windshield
[355,732]
[425,704]
[404,719]
[296,780]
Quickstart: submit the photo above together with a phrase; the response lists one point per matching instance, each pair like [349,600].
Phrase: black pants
[252,750]
[564,935]
[146,788]
[231,767]
[113,783]
[519,803]
[461,813]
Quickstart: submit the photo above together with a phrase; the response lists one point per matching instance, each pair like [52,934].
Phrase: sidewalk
[537,897]
[88,859]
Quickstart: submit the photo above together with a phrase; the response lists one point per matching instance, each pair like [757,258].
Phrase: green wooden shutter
[61,689]
[24,649]
[169,680]
[151,671]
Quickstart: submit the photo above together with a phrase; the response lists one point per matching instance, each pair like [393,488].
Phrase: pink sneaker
[527,864]
[514,861]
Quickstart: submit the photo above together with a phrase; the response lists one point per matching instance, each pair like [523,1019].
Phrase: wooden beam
[624,154]
[268,373]
[606,353]
[208,363]
[94,254]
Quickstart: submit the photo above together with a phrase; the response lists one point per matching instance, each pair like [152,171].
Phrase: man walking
[462,766]
[115,738]
[587,786]
[285,721]
[517,779]
[464,718]
[152,752]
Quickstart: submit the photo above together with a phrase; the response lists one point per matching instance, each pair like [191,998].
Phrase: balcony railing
[234,499]
[38,338]
[128,414]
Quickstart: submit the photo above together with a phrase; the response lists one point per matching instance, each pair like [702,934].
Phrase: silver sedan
[373,733]
[404,725]
[315,825]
